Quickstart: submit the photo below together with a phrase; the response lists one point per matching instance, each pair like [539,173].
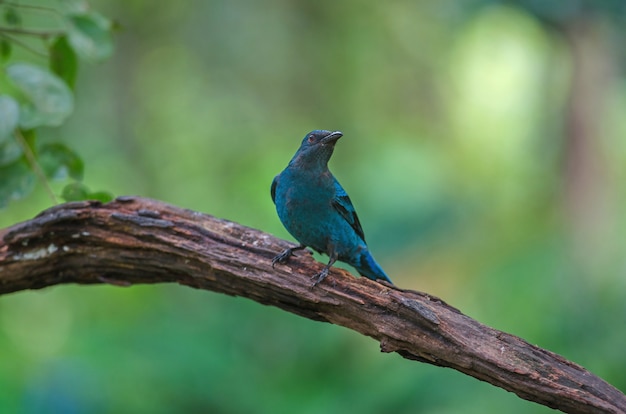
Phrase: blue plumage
[317,211]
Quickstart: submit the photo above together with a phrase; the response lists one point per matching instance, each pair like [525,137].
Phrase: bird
[317,212]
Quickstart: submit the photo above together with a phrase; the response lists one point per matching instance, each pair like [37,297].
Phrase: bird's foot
[282,257]
[320,276]
[285,254]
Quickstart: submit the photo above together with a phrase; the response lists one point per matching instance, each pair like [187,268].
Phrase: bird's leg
[322,275]
[286,253]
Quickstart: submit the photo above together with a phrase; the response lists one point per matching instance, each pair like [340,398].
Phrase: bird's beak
[332,137]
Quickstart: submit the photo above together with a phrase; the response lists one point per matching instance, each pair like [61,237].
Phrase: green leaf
[63,61]
[16,181]
[75,192]
[58,161]
[90,36]
[9,152]
[11,17]
[9,117]
[49,100]
[103,196]
[30,136]
[5,49]
[75,6]
[79,191]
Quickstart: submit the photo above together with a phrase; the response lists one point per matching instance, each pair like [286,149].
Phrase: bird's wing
[344,206]
[273,189]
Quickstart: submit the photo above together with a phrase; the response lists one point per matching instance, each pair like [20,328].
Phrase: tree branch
[135,240]
[44,34]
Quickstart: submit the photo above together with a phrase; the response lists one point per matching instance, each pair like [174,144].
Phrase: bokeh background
[484,150]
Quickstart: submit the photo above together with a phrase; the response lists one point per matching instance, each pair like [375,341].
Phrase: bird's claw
[285,254]
[282,257]
[320,276]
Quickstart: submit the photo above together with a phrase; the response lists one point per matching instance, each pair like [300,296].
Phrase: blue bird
[317,211]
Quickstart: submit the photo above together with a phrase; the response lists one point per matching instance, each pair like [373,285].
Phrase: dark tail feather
[370,269]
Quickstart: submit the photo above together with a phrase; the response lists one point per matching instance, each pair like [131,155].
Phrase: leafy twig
[30,7]
[23,45]
[45,34]
[30,156]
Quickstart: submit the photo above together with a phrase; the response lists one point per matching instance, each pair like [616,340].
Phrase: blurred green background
[484,150]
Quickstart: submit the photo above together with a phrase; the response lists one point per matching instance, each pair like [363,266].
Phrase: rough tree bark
[135,240]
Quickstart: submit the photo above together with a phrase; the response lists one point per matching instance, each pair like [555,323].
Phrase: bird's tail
[369,268]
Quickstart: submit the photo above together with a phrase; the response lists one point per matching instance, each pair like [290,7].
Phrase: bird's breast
[303,203]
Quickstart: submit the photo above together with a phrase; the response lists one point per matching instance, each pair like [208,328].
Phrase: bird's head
[316,148]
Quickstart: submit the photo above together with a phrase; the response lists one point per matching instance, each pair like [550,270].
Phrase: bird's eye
[311,139]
